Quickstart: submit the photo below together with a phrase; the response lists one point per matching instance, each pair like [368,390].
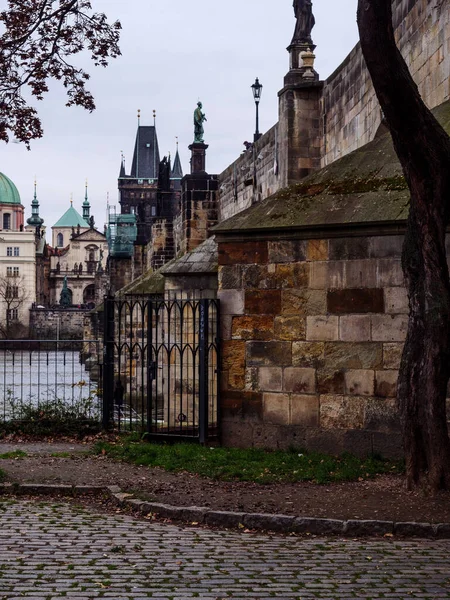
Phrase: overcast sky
[174,52]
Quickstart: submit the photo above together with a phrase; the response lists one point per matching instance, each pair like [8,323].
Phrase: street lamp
[257,91]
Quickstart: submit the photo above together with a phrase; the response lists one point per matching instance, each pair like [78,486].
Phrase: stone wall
[48,324]
[312,337]
[161,249]
[347,115]
[350,111]
[252,177]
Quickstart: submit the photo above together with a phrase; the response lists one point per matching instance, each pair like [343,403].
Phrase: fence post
[108,360]
[203,370]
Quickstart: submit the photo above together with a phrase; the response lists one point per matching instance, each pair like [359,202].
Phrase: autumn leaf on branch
[38,41]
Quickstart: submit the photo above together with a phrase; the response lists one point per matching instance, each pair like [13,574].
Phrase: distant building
[79,252]
[17,262]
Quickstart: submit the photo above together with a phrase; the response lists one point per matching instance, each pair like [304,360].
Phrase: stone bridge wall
[351,113]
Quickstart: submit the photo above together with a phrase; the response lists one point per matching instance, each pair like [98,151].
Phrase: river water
[40,378]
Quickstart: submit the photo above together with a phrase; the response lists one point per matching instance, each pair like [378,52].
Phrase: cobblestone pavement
[52,550]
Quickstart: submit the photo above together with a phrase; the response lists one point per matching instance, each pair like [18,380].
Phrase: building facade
[17,263]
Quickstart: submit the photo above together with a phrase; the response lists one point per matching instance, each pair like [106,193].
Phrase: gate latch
[152,370]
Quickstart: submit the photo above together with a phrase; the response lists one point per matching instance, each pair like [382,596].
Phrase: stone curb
[197,515]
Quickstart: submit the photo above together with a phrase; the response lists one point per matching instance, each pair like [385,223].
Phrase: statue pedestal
[198,157]
[298,71]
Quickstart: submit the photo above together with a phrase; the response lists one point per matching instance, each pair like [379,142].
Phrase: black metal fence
[161,366]
[42,375]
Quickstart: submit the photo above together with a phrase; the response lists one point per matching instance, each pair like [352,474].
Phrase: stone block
[389,328]
[268,522]
[387,444]
[363,528]
[233,361]
[287,251]
[348,248]
[316,526]
[290,328]
[254,276]
[318,275]
[317,250]
[389,273]
[386,383]
[270,379]
[342,412]
[225,326]
[253,327]
[269,354]
[355,328]
[346,355]
[361,274]
[322,328]
[396,300]
[276,409]
[292,275]
[299,381]
[232,253]
[359,382]
[330,381]
[231,302]
[251,379]
[304,302]
[386,246]
[305,410]
[392,355]
[351,301]
[381,414]
[230,277]
[308,354]
[263,302]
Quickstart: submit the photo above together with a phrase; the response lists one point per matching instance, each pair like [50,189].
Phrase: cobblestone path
[56,550]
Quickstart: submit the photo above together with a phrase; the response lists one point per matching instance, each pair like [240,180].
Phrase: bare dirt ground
[381,498]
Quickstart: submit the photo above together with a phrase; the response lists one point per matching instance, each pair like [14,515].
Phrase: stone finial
[308,57]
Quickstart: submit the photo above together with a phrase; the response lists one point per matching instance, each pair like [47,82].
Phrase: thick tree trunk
[423,149]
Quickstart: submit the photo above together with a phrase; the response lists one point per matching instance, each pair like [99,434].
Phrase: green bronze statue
[66,297]
[199,117]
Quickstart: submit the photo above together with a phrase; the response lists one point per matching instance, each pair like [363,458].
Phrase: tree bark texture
[423,148]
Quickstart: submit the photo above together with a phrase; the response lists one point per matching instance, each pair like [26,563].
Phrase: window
[12,271]
[6,221]
[12,314]
[153,211]
[16,251]
[60,240]
[9,251]
[12,291]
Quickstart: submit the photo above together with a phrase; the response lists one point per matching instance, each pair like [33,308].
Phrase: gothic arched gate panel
[161,366]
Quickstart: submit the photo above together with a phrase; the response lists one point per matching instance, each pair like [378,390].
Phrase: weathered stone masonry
[313,333]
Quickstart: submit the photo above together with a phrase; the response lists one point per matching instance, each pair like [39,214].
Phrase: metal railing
[161,366]
[38,375]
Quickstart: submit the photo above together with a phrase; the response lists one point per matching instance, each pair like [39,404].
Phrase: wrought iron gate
[161,366]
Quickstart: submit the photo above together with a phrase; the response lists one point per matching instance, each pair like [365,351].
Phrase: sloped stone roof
[365,187]
[203,259]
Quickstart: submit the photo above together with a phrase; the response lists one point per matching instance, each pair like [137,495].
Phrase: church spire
[35,220]
[122,166]
[86,205]
[177,171]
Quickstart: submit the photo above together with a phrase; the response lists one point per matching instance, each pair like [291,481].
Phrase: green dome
[8,191]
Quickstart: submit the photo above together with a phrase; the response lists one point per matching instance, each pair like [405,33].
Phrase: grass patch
[13,454]
[260,466]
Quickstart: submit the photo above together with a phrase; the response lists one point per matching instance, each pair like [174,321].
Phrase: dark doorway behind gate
[161,367]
